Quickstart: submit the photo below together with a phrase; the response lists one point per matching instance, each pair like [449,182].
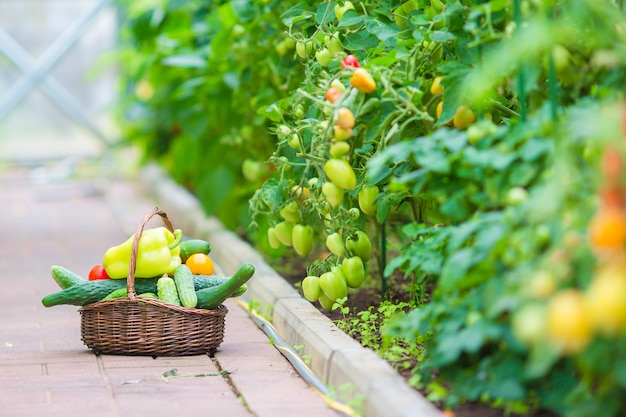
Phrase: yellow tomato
[463,117]
[568,325]
[606,300]
[435,87]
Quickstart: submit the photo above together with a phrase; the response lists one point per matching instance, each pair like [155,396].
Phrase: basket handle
[130,281]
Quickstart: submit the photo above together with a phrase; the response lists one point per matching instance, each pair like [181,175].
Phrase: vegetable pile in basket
[174,271]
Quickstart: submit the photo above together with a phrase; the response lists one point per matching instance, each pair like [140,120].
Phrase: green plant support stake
[383,257]
[521,76]
[552,85]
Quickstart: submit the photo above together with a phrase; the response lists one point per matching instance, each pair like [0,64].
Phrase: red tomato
[98,272]
[350,61]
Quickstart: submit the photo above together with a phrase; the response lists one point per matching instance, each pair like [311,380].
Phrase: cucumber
[211,298]
[166,290]
[88,292]
[184,285]
[189,247]
[240,291]
[64,277]
[148,295]
[119,293]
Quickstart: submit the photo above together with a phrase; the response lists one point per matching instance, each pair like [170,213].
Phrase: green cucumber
[211,298]
[64,277]
[184,285]
[148,295]
[88,292]
[166,290]
[189,247]
[119,293]
[240,291]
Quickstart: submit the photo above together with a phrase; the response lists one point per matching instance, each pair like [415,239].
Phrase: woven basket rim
[220,310]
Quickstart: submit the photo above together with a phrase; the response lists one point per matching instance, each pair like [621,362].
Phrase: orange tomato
[333,94]
[345,118]
[363,81]
[200,263]
[607,229]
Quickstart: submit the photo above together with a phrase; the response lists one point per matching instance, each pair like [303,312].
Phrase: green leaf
[185,61]
[455,268]
[454,89]
[272,193]
[232,79]
[440,36]
[534,148]
[296,13]
[507,389]
[541,358]
[487,237]
[360,41]
[431,158]
[271,112]
[350,18]
[244,9]
[380,29]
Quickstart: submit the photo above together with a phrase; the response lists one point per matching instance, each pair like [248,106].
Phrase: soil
[292,268]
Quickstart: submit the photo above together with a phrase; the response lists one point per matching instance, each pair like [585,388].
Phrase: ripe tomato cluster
[569,318]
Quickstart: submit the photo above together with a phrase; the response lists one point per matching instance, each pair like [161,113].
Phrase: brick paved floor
[45,370]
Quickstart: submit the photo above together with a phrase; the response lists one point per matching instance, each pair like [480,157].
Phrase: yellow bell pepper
[158,253]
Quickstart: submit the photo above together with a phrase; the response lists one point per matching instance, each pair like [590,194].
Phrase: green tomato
[304,49]
[339,149]
[340,172]
[311,288]
[272,238]
[284,232]
[294,142]
[254,171]
[360,245]
[367,196]
[333,194]
[291,212]
[480,130]
[438,5]
[302,239]
[354,271]
[334,243]
[529,323]
[516,196]
[354,213]
[340,10]
[323,57]
[333,285]
[338,85]
[333,45]
[283,131]
[325,302]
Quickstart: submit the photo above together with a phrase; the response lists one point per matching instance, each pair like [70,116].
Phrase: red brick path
[45,370]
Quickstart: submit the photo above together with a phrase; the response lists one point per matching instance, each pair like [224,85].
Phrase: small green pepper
[158,253]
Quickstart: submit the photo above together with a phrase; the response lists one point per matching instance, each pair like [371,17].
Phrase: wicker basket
[147,326]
